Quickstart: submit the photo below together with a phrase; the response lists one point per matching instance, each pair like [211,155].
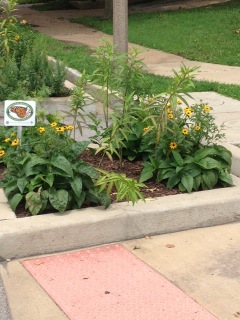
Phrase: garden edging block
[82,228]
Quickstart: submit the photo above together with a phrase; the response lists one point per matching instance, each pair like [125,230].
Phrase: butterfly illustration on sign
[20,112]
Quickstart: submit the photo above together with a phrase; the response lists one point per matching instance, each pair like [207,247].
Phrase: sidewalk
[191,275]
[188,275]
[56,24]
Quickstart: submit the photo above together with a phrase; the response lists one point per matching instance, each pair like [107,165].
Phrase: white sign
[19,113]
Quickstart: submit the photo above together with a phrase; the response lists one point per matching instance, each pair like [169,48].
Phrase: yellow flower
[146,128]
[179,101]
[23,21]
[168,104]
[7,140]
[185,131]
[173,145]
[60,129]
[207,108]
[170,116]
[17,37]
[169,111]
[2,153]
[15,143]
[197,128]
[53,124]
[2,34]
[12,134]
[11,20]
[188,113]
[69,128]
[41,129]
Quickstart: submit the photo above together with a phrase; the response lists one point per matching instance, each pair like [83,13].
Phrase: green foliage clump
[24,68]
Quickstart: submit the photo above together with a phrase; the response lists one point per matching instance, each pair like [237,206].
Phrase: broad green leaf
[203,153]
[14,202]
[197,182]
[226,177]
[147,172]
[87,170]
[210,178]
[10,186]
[181,187]
[49,179]
[76,185]
[79,147]
[187,182]
[173,181]
[177,157]
[22,183]
[80,199]
[33,202]
[32,166]
[224,154]
[209,163]
[58,199]
[63,164]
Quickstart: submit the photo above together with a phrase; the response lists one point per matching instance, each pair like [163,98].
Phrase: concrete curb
[95,226]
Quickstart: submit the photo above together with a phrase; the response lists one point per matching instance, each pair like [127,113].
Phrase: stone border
[82,228]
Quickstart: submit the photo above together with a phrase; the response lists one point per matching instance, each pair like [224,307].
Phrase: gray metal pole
[120,25]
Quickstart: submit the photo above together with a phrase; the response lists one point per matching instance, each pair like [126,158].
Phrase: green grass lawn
[79,58]
[201,34]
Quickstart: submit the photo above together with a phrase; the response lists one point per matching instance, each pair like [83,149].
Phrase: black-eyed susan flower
[188,113]
[41,130]
[12,134]
[146,128]
[197,128]
[168,104]
[23,22]
[60,129]
[169,111]
[170,116]
[53,124]
[173,145]
[207,108]
[179,101]
[185,131]
[69,127]
[2,153]
[15,143]
[7,140]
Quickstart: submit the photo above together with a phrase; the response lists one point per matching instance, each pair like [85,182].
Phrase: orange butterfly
[20,111]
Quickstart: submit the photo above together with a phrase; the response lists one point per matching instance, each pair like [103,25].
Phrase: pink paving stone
[110,283]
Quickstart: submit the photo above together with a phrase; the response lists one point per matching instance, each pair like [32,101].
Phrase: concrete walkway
[189,275]
[57,25]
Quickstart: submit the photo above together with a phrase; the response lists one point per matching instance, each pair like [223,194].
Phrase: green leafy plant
[53,182]
[126,188]
[208,167]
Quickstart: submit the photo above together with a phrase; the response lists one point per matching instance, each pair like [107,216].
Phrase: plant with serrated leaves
[126,188]
[205,169]
[53,183]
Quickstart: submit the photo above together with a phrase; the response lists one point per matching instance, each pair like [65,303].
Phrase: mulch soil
[131,169]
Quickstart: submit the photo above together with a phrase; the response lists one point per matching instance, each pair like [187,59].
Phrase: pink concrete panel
[110,283]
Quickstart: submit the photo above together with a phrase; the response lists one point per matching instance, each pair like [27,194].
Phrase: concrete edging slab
[95,226]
